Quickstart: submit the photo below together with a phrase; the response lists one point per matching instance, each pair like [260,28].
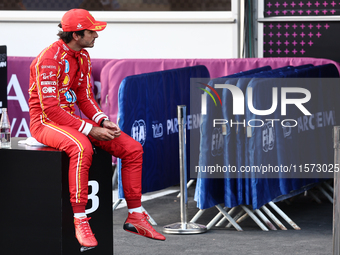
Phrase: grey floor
[315,236]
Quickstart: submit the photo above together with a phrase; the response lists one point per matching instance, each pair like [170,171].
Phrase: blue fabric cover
[210,192]
[239,150]
[148,106]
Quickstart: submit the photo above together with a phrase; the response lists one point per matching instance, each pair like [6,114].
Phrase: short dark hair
[68,36]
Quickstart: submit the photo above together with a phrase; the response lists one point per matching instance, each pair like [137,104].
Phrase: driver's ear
[75,36]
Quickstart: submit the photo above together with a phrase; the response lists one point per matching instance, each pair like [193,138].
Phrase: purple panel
[301,8]
[301,39]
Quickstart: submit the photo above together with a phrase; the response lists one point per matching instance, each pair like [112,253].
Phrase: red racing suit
[59,78]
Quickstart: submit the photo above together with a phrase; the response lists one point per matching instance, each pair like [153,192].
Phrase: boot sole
[143,235]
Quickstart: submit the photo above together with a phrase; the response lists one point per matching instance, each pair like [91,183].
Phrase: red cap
[80,19]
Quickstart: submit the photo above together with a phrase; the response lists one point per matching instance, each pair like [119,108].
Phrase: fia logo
[157,130]
[138,131]
[217,142]
[268,136]
[286,130]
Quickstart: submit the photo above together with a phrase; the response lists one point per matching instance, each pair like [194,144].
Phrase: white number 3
[93,197]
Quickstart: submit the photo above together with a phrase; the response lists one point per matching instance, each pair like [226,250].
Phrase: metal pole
[336,205]
[183,227]
[181,115]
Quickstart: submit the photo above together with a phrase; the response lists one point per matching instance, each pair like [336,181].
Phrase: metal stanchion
[183,227]
[336,203]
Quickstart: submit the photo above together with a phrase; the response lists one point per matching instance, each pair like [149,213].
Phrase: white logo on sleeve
[47,89]
[47,76]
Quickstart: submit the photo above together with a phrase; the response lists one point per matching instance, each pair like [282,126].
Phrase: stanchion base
[191,228]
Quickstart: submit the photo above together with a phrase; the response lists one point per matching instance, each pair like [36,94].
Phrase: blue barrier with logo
[148,112]
[241,186]
[247,187]
[276,146]
[246,190]
[210,191]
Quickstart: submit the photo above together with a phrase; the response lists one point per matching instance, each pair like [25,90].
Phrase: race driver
[60,76]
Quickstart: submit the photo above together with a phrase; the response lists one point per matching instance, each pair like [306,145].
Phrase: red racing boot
[137,223]
[84,233]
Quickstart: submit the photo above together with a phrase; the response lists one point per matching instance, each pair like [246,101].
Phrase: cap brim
[98,26]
